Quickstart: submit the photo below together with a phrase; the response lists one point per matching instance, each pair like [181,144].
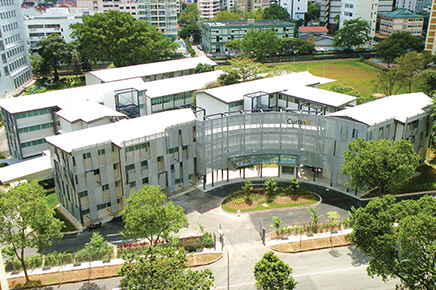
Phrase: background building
[15,69]
[208,8]
[430,42]
[295,8]
[215,34]
[416,6]
[401,20]
[53,20]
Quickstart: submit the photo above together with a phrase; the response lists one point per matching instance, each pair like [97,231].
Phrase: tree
[425,82]
[147,216]
[314,215]
[397,44]
[384,164]
[246,69]
[275,12]
[277,224]
[296,46]
[226,79]
[28,222]
[203,67]
[258,44]
[247,188]
[188,22]
[96,249]
[387,81]
[399,238]
[54,52]
[270,187]
[162,268]
[411,64]
[257,15]
[272,273]
[354,32]
[234,45]
[227,15]
[118,37]
[347,90]
[313,12]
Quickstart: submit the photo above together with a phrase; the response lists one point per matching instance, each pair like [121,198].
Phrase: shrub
[277,223]
[207,240]
[270,187]
[294,186]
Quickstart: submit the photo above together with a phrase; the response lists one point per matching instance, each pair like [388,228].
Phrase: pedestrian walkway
[298,238]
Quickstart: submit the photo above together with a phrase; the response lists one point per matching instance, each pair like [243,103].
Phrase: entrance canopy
[249,160]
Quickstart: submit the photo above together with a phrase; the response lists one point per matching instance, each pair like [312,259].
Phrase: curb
[310,250]
[209,263]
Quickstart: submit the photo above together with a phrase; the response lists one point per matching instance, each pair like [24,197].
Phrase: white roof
[87,112]
[180,84]
[236,92]
[148,69]
[398,107]
[63,98]
[29,169]
[320,96]
[121,131]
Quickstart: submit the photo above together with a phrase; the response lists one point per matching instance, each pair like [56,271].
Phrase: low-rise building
[215,34]
[312,33]
[401,20]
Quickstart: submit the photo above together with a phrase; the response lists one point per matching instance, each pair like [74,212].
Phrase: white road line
[113,235]
[297,276]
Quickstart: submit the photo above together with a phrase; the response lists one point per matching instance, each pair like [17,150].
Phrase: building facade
[295,8]
[15,68]
[208,8]
[416,6]
[215,34]
[53,21]
[401,20]
[430,41]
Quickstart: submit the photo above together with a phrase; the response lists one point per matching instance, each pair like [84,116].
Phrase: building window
[144,165]
[87,155]
[85,211]
[83,194]
[132,184]
[105,187]
[101,152]
[145,180]
[130,167]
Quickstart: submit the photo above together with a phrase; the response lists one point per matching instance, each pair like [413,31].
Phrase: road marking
[335,199]
[297,276]
[113,235]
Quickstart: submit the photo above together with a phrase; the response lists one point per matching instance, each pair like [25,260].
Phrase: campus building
[401,20]
[417,6]
[430,41]
[215,34]
[15,69]
[296,8]
[208,8]
[28,120]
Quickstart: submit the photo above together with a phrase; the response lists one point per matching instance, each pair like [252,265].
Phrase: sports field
[350,72]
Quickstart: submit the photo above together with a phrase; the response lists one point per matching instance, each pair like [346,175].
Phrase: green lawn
[52,202]
[271,205]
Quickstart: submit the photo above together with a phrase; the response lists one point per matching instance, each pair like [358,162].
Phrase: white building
[92,6]
[295,8]
[15,68]
[416,6]
[430,41]
[54,20]
[208,8]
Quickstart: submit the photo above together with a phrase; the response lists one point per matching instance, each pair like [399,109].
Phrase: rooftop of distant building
[306,29]
[401,13]
[249,22]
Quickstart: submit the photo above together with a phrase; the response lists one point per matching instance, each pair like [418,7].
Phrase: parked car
[94,226]
[200,47]
[117,218]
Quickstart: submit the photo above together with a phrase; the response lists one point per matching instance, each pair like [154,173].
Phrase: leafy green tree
[189,24]
[96,249]
[314,215]
[313,12]
[234,45]
[272,273]
[118,37]
[203,67]
[247,188]
[161,268]
[256,15]
[228,78]
[54,52]
[27,221]
[226,16]
[247,69]
[353,33]
[387,81]
[347,90]
[425,82]
[397,44]
[296,46]
[258,44]
[275,12]
[384,164]
[399,238]
[147,215]
[411,64]
[270,187]
[39,67]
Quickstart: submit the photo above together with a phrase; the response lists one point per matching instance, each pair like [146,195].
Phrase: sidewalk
[298,238]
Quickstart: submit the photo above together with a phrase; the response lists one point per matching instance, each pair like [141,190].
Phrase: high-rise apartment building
[208,8]
[416,6]
[295,8]
[15,68]
[430,42]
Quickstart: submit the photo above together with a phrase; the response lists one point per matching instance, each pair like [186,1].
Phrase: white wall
[211,104]
[91,79]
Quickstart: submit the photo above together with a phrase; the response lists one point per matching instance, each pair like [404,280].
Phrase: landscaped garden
[269,196]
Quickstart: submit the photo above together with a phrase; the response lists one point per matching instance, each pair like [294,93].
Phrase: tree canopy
[399,238]
[258,44]
[118,37]
[313,12]
[272,273]
[275,11]
[354,32]
[425,82]
[162,268]
[53,52]
[384,164]
[397,44]
[28,222]
[188,22]
[296,46]
[227,15]
[246,69]
[147,215]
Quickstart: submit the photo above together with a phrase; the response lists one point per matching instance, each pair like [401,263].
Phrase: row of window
[8,14]
[17,63]
[15,50]
[138,147]
[32,113]
[33,143]
[133,183]
[236,104]
[144,165]
[22,78]
[6,2]
[171,98]
[10,27]
[12,39]
[35,128]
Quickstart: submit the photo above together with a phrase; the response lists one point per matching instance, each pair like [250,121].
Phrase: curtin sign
[298,122]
